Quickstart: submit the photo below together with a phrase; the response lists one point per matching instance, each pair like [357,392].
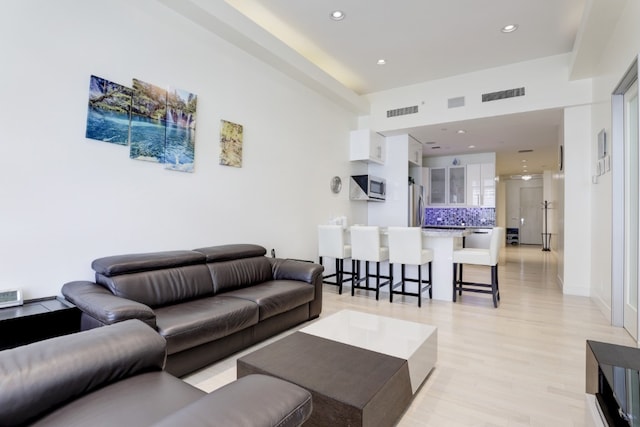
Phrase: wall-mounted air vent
[402,111]
[455,102]
[503,94]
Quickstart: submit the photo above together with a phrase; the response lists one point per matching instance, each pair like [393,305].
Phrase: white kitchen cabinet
[457,187]
[481,185]
[437,186]
[367,145]
[415,153]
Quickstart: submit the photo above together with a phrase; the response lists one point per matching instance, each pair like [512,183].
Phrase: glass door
[631,210]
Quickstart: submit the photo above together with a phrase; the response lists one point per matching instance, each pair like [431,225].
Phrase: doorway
[531,215]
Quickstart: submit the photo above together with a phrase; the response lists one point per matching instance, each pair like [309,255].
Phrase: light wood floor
[522,364]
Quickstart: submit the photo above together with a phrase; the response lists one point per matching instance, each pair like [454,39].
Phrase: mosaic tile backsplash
[473,217]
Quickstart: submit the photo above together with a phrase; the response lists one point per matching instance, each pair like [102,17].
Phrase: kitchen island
[443,242]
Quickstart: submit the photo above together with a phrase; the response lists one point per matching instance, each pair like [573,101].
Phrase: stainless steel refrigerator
[416,205]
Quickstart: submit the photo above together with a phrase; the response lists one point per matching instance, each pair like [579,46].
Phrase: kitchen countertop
[446,232]
[457,227]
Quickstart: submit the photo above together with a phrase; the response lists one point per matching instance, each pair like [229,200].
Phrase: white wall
[67,200]
[577,200]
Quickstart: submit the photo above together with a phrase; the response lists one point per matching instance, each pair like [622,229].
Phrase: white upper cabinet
[415,153]
[437,186]
[367,145]
[481,184]
[457,189]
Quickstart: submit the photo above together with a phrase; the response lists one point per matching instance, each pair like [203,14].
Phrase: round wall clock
[336,184]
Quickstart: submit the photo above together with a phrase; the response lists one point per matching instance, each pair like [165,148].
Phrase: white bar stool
[488,257]
[365,246]
[405,247]
[332,244]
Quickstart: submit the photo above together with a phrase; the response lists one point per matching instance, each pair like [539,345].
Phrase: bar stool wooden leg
[355,276]
[419,286]
[390,282]
[455,280]
[377,281]
[430,282]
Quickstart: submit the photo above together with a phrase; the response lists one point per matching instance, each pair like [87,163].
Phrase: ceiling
[423,40]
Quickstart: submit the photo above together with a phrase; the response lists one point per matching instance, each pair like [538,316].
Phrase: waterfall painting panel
[148,125]
[230,144]
[180,130]
[109,111]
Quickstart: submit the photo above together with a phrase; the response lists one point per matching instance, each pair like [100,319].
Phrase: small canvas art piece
[109,111]
[148,112]
[230,144]
[180,123]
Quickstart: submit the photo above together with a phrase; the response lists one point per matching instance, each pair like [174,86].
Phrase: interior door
[531,215]
[631,210]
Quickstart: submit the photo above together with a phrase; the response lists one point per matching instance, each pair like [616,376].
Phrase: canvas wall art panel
[109,111]
[180,130]
[148,113]
[230,144]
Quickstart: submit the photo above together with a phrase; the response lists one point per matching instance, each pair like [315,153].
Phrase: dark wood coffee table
[369,380]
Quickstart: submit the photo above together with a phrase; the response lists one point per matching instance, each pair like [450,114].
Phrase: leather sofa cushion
[228,252]
[239,273]
[254,400]
[196,322]
[161,287]
[40,376]
[141,400]
[134,263]
[276,296]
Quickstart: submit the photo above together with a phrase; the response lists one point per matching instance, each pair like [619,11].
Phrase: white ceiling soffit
[227,23]
[599,17]
[420,40]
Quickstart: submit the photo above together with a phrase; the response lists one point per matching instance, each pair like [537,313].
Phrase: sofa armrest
[39,377]
[97,302]
[288,269]
[252,401]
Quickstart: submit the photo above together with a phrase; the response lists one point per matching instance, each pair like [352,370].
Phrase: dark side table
[36,320]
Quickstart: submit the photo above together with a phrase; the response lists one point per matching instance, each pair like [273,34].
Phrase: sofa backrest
[38,377]
[236,266]
[155,279]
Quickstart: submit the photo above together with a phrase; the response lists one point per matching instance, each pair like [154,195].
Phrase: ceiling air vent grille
[402,111]
[455,102]
[503,94]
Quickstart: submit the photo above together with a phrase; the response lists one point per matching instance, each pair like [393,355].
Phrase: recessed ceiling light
[337,15]
[462,131]
[524,160]
[526,177]
[509,28]
[381,62]
[472,146]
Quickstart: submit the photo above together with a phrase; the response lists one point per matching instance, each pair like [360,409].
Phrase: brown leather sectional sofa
[207,303]
[113,376]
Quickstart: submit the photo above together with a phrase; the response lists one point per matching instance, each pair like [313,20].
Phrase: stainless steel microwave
[367,187]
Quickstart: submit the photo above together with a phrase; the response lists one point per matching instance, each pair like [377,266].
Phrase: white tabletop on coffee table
[415,342]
